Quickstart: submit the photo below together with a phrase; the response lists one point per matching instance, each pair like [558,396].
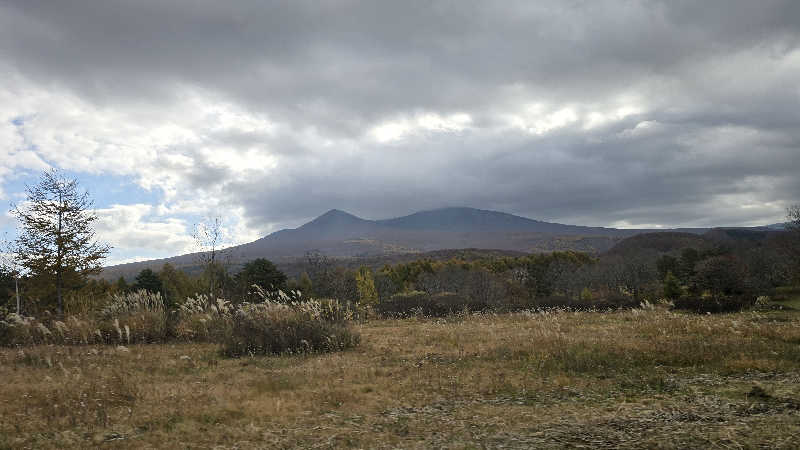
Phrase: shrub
[277,328]
[611,302]
[714,305]
[617,301]
[404,304]
[437,305]
[784,293]
[445,303]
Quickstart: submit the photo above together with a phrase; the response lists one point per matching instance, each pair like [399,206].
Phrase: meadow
[642,378]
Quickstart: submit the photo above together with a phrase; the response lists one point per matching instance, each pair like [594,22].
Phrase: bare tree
[793,238]
[56,235]
[209,237]
[793,217]
[9,262]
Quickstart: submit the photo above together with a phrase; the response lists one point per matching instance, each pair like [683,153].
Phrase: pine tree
[149,281]
[672,287]
[261,272]
[121,285]
[56,236]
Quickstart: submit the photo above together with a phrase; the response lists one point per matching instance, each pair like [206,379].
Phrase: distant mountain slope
[479,220]
[664,242]
[672,242]
[340,234]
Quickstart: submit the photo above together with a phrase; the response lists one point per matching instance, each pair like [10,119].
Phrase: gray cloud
[600,113]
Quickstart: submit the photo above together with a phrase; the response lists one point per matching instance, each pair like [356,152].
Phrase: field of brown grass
[640,379]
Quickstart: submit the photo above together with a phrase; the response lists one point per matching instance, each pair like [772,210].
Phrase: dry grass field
[638,379]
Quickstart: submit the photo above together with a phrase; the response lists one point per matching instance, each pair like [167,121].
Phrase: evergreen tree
[148,280]
[672,287]
[56,237]
[177,286]
[121,285]
[261,272]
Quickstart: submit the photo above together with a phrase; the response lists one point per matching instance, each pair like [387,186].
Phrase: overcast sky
[624,113]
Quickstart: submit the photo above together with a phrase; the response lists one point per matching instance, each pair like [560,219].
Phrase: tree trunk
[59,261]
[58,291]
[16,288]
[211,272]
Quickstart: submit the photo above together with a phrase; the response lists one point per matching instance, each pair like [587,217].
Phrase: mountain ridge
[338,233]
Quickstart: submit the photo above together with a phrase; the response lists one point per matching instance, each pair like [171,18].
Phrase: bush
[579,304]
[420,303]
[439,305]
[448,303]
[403,304]
[784,293]
[276,328]
[714,305]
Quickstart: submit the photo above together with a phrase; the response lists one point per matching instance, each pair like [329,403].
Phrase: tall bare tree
[9,263]
[56,236]
[209,237]
[793,247]
[793,217]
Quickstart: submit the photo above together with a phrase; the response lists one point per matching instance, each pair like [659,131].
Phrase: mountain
[470,220]
[343,235]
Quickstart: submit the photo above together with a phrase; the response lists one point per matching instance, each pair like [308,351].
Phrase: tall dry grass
[300,327]
[644,378]
[279,323]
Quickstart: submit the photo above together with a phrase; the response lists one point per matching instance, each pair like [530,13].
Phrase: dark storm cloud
[369,58]
[713,83]
[638,180]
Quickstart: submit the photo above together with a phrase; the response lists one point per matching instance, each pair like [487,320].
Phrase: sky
[267,114]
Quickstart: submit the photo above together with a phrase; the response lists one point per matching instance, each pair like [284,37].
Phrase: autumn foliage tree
[56,238]
[367,294]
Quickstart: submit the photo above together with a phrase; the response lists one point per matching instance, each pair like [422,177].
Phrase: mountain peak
[336,212]
[334,218]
